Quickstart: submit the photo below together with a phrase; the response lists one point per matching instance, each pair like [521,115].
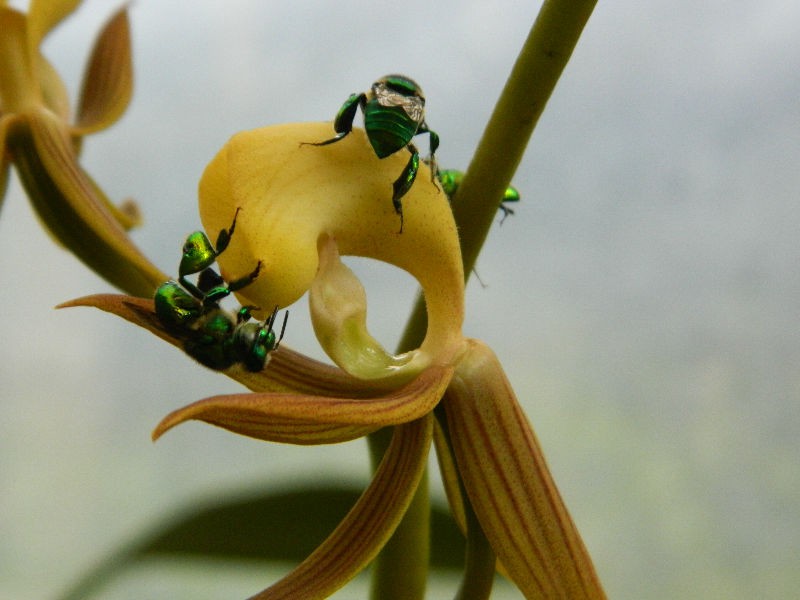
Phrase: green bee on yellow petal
[394,112]
[192,311]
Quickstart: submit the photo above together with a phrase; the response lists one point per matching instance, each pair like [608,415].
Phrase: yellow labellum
[295,198]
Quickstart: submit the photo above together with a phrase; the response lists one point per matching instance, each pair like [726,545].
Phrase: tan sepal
[54,92]
[5,162]
[510,486]
[108,80]
[300,419]
[368,525]
[19,88]
[74,208]
[288,371]
[4,170]
[449,473]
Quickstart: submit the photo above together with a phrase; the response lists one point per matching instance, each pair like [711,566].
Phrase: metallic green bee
[211,335]
[451,180]
[394,112]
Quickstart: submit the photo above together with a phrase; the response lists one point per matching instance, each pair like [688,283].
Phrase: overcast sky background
[645,298]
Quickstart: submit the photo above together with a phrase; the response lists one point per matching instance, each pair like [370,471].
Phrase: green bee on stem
[211,335]
[451,180]
[394,112]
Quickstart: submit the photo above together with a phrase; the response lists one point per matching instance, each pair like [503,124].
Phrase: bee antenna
[271,318]
[283,329]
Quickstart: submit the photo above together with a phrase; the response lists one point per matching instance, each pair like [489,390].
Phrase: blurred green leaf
[279,526]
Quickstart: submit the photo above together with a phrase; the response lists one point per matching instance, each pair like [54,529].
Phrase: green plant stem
[533,78]
[542,60]
[401,570]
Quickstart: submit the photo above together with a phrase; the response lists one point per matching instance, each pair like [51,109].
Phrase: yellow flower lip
[294,197]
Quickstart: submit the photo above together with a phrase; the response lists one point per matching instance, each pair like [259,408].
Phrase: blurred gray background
[645,299]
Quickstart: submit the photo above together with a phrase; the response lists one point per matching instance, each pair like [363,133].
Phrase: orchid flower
[302,208]
[38,138]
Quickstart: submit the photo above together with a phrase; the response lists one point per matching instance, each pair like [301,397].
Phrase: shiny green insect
[211,335]
[451,180]
[394,112]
